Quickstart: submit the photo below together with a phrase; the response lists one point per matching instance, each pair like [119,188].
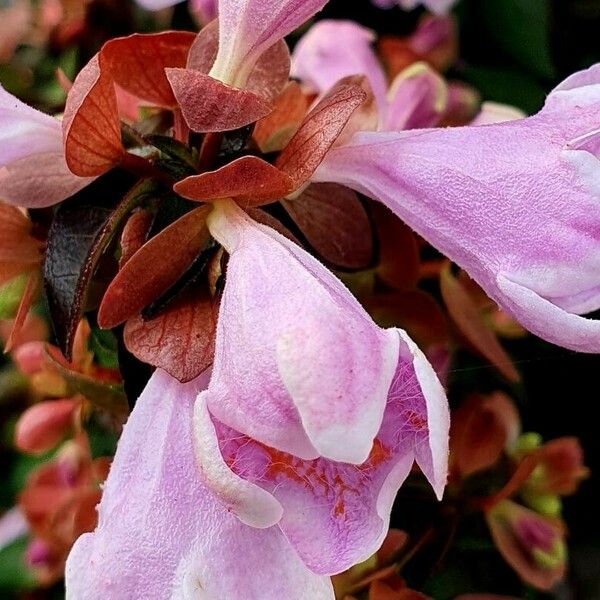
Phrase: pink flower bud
[43,425]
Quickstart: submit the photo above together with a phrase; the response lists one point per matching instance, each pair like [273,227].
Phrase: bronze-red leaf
[154,268]
[467,317]
[320,129]
[91,126]
[273,132]
[249,179]
[208,105]
[335,223]
[137,63]
[269,75]
[179,340]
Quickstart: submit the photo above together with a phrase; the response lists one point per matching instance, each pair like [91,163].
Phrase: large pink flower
[515,204]
[162,533]
[313,415]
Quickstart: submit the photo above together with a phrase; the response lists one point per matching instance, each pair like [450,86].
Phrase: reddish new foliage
[269,75]
[134,234]
[335,224]
[398,252]
[273,132]
[154,268]
[180,340]
[249,179]
[479,432]
[208,105]
[91,127]
[320,129]
[137,63]
[19,251]
[467,317]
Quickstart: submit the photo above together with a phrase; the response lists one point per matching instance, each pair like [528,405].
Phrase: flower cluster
[234,214]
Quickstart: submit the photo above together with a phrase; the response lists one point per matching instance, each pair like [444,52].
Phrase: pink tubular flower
[436,6]
[332,50]
[515,204]
[161,532]
[248,29]
[313,415]
[33,171]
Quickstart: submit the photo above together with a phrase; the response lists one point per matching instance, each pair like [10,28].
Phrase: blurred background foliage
[511,51]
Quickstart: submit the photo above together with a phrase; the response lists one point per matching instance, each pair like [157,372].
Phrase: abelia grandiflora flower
[311,409]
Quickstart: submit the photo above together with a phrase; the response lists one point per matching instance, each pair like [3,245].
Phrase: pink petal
[40,180]
[299,364]
[417,99]
[162,534]
[515,204]
[206,10]
[247,28]
[337,514]
[25,131]
[33,171]
[332,50]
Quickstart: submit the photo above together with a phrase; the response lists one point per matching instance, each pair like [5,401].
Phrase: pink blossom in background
[439,7]
[204,10]
[331,50]
[15,24]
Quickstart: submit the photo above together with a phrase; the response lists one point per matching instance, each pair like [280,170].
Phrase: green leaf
[10,296]
[522,29]
[14,575]
[105,347]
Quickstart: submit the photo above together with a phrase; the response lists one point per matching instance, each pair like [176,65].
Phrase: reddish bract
[19,251]
[27,299]
[249,179]
[269,75]
[179,340]
[320,129]
[479,432]
[91,126]
[137,63]
[467,317]
[273,132]
[335,224]
[134,235]
[154,268]
[208,105]
[398,252]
